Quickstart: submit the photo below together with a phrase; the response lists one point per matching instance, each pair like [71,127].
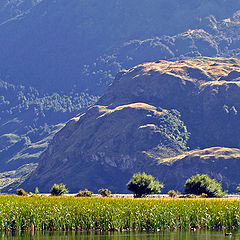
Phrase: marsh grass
[109,214]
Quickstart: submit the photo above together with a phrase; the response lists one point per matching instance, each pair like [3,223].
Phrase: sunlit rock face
[154,117]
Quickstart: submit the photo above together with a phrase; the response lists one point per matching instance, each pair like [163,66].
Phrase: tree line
[142,184]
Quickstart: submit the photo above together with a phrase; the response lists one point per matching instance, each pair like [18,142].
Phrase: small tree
[104,192]
[21,192]
[58,189]
[238,188]
[200,184]
[36,190]
[84,193]
[173,193]
[142,184]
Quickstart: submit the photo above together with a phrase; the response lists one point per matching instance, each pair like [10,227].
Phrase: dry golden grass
[213,68]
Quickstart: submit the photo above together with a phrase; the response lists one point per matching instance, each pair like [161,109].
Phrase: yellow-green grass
[109,214]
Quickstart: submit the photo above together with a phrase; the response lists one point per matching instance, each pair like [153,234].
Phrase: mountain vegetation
[53,40]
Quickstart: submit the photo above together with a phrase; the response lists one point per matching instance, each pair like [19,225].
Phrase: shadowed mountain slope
[58,56]
[45,44]
[148,120]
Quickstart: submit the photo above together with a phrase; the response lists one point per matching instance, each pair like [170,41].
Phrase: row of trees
[142,185]
[60,189]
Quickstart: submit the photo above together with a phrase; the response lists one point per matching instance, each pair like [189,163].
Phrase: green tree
[21,192]
[238,188]
[200,184]
[58,189]
[142,184]
[173,193]
[84,193]
[36,190]
[104,192]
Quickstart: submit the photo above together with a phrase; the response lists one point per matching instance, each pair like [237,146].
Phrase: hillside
[214,37]
[58,57]
[46,43]
[154,118]
[28,121]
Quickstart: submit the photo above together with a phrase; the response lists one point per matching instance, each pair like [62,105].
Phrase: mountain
[48,43]
[57,57]
[28,121]
[213,38]
[155,117]
[12,9]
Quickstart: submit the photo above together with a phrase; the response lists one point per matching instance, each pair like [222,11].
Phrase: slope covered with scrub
[153,118]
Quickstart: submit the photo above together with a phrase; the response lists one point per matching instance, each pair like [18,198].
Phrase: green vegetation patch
[111,214]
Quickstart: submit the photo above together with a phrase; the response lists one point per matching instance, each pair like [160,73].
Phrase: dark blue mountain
[58,56]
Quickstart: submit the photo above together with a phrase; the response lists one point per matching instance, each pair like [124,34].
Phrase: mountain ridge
[145,117]
[40,39]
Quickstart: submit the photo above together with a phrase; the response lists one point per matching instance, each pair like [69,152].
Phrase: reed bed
[109,214]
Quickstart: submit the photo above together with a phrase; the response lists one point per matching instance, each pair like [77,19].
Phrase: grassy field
[111,214]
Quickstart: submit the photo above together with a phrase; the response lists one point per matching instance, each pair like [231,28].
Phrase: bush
[238,188]
[21,192]
[84,193]
[203,195]
[173,193]
[142,184]
[58,189]
[36,190]
[188,196]
[200,184]
[104,192]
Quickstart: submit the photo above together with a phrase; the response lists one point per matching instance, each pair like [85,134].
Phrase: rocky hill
[46,43]
[213,37]
[58,57]
[155,117]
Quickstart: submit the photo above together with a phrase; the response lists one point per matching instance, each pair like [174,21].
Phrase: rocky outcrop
[204,90]
[110,138]
[148,120]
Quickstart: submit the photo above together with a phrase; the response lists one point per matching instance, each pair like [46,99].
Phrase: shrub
[142,184]
[173,193]
[200,184]
[104,192]
[36,190]
[84,193]
[21,192]
[188,196]
[58,189]
[238,188]
[203,195]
